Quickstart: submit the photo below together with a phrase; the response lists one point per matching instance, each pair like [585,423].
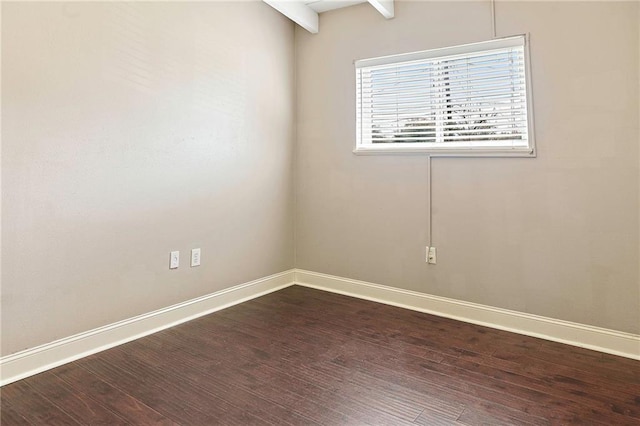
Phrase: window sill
[445,152]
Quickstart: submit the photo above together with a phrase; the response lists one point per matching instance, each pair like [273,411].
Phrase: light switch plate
[174,261]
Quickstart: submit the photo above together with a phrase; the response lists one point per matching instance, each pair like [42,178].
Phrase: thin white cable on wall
[429,180]
[493,18]
[430,214]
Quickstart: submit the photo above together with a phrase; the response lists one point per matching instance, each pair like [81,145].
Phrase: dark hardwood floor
[304,357]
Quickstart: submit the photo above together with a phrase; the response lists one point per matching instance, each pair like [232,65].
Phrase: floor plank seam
[91,395]
[53,403]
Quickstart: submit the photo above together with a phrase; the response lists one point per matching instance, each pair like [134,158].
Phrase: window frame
[423,147]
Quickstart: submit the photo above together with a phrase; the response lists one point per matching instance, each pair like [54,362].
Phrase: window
[471,100]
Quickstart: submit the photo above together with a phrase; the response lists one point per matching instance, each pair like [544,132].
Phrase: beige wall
[133,129]
[556,236]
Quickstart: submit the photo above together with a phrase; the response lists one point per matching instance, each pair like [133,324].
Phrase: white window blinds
[463,98]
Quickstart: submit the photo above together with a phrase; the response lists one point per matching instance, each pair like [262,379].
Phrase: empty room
[316,212]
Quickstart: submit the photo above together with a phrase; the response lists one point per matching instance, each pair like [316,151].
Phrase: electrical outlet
[431,256]
[195,257]
[174,261]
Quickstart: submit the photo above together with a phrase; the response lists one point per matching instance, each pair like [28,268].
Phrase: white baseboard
[585,336]
[36,360]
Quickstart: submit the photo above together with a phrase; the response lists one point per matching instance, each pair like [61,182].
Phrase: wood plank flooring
[305,357]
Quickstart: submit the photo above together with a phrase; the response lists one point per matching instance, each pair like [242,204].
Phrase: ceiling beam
[298,12]
[385,7]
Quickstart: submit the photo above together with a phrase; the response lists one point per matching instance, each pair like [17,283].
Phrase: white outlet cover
[195,257]
[432,255]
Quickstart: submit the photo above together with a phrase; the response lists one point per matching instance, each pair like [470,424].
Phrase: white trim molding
[385,7]
[585,336]
[45,357]
[41,358]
